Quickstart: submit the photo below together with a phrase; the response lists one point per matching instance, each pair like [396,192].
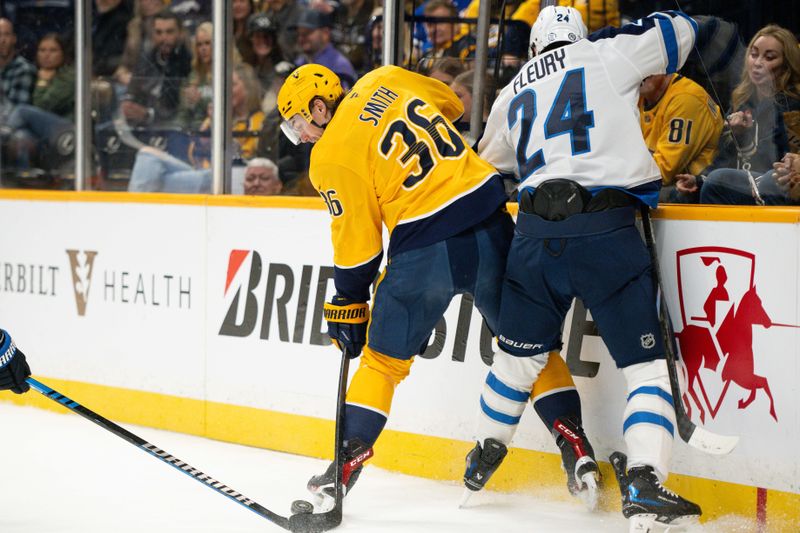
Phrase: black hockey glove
[347,324]
[13,367]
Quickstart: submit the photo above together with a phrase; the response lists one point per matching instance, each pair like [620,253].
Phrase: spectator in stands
[46,126]
[36,18]
[261,178]
[463,85]
[140,38]
[447,38]
[681,125]
[285,13]
[764,126]
[109,34]
[375,56]
[242,10]
[596,13]
[349,31]
[314,39]
[197,91]
[787,178]
[154,90]
[155,170]
[263,34]
[445,69]
[17,74]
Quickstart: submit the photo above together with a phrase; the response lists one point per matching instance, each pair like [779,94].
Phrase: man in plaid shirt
[17,75]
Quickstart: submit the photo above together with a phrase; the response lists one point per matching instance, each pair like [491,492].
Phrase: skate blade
[642,523]
[679,524]
[590,494]
[465,496]
[647,523]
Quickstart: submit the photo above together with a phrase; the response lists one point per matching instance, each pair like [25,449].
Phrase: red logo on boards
[718,316]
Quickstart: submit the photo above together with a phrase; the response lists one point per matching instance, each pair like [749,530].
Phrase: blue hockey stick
[298,523]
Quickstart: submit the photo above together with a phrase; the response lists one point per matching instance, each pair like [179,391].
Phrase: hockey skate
[482,461]
[648,505]
[323,486]
[577,460]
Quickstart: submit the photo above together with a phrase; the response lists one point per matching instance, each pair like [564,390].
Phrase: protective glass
[294,127]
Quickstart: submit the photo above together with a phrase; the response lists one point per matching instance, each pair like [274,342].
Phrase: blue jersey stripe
[670,43]
[644,417]
[504,390]
[655,391]
[497,416]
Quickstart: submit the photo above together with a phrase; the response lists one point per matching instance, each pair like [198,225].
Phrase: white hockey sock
[505,394]
[649,419]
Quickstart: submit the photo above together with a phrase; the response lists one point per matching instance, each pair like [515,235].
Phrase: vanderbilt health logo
[81,264]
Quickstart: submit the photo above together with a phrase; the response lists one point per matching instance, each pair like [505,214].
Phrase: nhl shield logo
[648,341]
[718,311]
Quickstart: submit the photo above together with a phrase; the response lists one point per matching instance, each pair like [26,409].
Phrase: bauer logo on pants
[718,314]
[81,264]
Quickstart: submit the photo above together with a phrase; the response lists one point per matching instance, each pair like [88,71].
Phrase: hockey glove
[347,324]
[13,367]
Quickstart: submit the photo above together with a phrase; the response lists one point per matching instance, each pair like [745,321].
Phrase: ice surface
[61,473]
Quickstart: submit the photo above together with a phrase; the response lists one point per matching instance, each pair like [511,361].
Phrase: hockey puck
[302,507]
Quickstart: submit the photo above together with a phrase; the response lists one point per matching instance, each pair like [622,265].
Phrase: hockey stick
[694,435]
[299,523]
[315,522]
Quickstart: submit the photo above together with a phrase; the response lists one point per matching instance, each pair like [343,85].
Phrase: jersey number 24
[567,115]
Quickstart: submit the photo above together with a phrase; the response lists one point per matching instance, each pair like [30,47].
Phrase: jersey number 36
[418,133]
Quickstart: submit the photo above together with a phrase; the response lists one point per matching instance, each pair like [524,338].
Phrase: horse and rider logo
[717,323]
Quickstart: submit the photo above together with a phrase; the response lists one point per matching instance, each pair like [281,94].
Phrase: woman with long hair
[763,127]
[196,92]
[45,126]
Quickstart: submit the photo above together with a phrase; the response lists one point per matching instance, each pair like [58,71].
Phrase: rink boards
[203,315]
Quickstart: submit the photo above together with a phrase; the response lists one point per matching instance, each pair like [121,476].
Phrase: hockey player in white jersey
[567,126]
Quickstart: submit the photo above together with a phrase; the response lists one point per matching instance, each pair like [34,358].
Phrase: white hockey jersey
[572,112]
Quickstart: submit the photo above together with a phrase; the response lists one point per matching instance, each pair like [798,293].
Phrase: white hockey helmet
[556,24]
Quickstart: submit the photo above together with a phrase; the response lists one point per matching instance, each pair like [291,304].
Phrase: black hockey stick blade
[691,433]
[158,453]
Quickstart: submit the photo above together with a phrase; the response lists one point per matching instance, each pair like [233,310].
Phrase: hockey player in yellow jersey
[681,125]
[387,154]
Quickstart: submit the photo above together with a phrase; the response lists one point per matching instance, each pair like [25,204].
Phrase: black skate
[482,461]
[647,504]
[577,460]
[354,456]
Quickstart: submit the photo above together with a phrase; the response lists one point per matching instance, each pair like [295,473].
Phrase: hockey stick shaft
[318,522]
[158,453]
[693,435]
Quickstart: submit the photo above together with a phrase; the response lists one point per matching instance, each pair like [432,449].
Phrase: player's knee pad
[649,418]
[554,394]
[505,394]
[554,376]
[373,384]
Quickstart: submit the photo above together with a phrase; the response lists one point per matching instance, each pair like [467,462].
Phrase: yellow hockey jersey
[682,130]
[391,155]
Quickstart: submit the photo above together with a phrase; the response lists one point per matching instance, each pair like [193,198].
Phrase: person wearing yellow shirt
[681,126]
[387,154]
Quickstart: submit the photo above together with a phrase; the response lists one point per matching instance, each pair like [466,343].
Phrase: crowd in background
[726,129]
